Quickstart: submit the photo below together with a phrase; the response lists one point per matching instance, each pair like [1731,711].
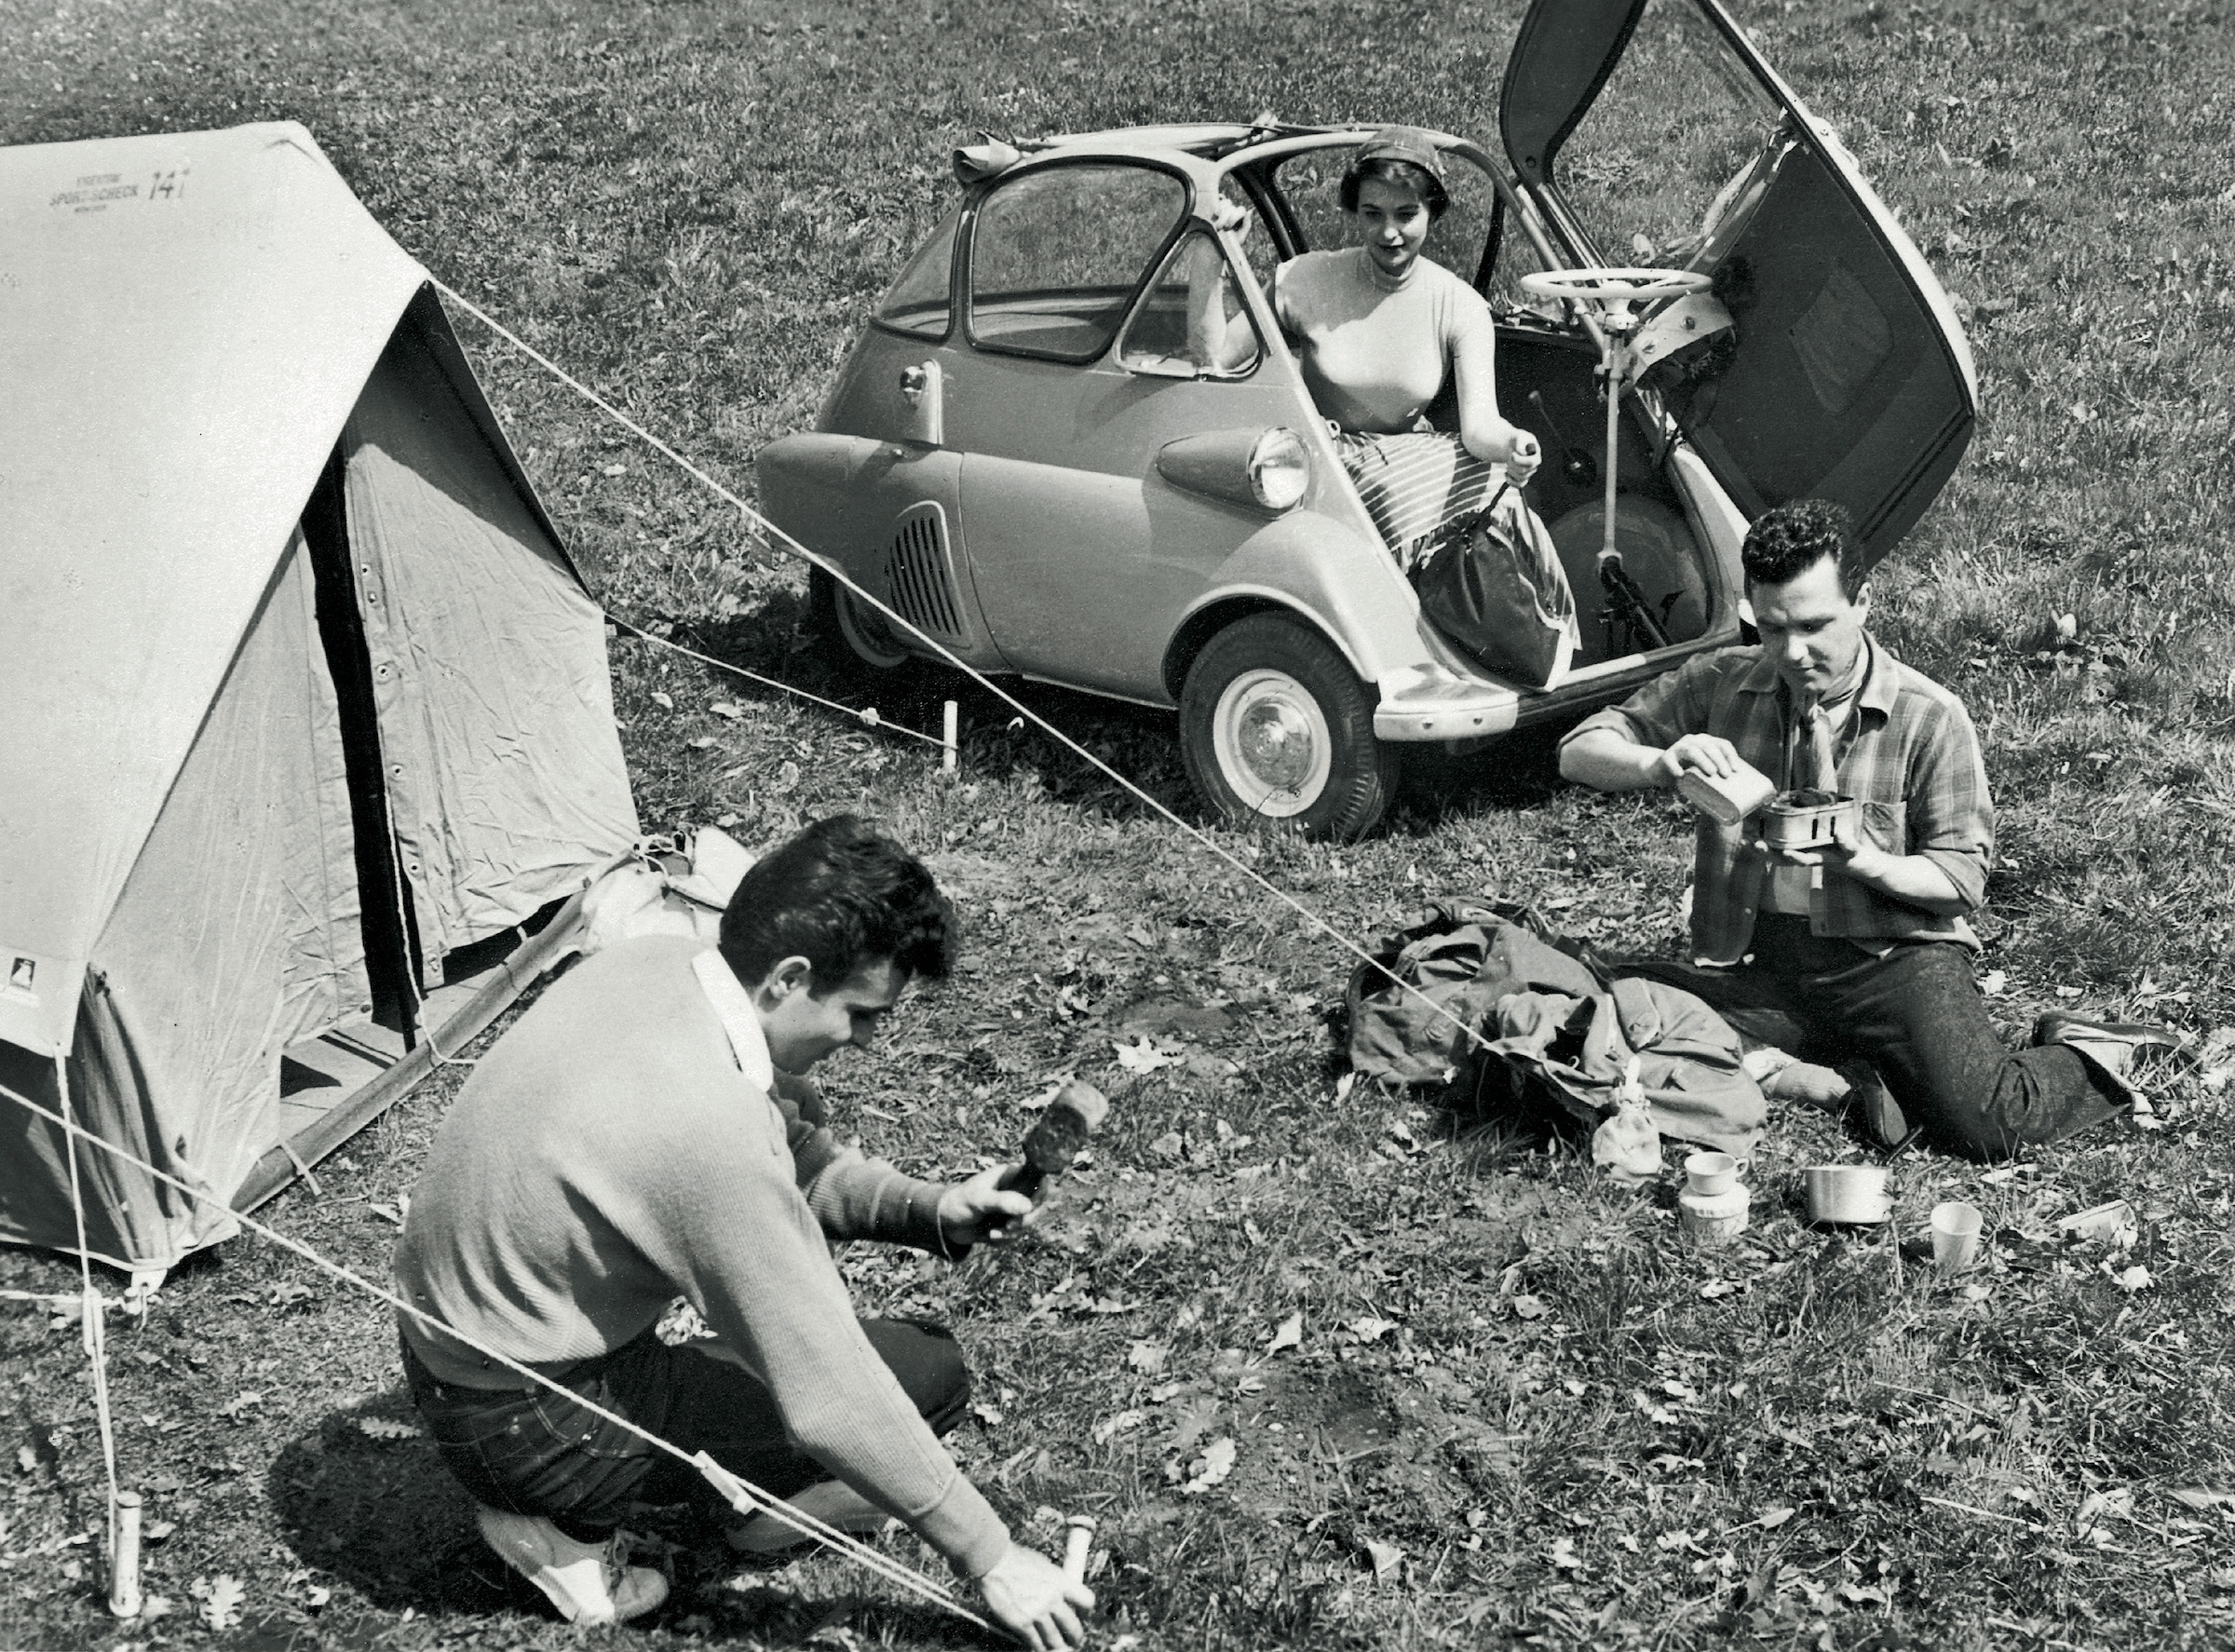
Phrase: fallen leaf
[27,1459]
[1370,1329]
[382,1427]
[1994,983]
[317,1595]
[1770,1519]
[1147,1357]
[614,470]
[240,1404]
[726,710]
[1387,1557]
[1529,1307]
[705,742]
[155,1531]
[1143,1056]
[988,1415]
[1123,1423]
[1216,1463]
[665,702]
[388,1213]
[1563,1557]
[2134,1279]
[221,1603]
[154,1607]
[1289,1334]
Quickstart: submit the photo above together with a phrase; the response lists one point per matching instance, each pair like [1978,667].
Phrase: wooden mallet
[1058,1136]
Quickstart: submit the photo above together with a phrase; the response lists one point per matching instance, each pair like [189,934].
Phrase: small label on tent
[95,191]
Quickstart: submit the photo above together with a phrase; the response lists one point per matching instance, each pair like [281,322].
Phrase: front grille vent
[917,573]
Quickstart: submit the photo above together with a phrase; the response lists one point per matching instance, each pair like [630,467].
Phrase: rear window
[1058,255]
[918,301]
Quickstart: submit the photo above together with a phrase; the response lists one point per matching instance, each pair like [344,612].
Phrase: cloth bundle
[1560,1027]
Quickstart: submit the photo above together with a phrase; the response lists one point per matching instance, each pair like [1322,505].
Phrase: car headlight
[1280,468]
[1269,470]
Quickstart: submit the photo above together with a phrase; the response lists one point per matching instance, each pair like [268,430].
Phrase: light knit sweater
[620,1146]
[1374,350]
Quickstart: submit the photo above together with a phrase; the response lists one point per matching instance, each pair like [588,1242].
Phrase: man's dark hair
[840,894]
[1403,174]
[1785,543]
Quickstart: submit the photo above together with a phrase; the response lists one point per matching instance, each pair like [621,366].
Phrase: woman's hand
[972,1213]
[1521,455]
[1030,1597]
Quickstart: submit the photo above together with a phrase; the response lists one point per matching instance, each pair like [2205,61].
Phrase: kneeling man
[631,1140]
[1861,948]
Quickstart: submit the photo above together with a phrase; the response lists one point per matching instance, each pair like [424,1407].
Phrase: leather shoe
[1868,1099]
[2116,1042]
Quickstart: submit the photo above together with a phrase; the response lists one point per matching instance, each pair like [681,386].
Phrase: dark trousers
[1916,1016]
[540,1453]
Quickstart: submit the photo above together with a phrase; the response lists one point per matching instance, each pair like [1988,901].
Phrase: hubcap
[1272,743]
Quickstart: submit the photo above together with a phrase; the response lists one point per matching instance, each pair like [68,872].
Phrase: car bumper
[1426,702]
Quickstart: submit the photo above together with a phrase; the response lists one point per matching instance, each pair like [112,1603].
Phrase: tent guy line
[777,539]
[866,715]
[765,1502]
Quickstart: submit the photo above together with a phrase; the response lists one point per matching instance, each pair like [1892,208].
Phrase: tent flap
[503,764]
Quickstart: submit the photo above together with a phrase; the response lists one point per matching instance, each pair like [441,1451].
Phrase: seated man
[1858,949]
[626,1142]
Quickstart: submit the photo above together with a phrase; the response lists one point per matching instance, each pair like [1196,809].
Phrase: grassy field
[1518,1410]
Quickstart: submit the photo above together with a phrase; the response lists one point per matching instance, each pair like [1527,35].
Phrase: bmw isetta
[1024,461]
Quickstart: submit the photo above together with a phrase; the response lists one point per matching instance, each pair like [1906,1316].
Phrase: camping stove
[1805,820]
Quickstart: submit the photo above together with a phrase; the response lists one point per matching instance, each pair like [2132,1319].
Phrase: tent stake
[124,1565]
[947,744]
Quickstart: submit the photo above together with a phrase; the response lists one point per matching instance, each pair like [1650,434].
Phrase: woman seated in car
[1377,329]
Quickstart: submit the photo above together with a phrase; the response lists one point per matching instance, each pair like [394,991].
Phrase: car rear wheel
[846,621]
[1276,730]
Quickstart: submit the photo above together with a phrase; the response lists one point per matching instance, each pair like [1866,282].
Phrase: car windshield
[1677,127]
[1059,252]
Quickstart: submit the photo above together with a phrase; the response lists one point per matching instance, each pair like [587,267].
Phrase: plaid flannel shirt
[1909,754]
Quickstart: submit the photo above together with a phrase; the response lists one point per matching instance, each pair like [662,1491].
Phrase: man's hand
[977,1211]
[1848,854]
[1029,1596]
[1710,753]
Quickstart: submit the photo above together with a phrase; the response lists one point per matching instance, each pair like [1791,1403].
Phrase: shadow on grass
[386,1517]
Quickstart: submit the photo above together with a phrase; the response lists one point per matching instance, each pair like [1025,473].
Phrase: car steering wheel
[1594,288]
[1611,284]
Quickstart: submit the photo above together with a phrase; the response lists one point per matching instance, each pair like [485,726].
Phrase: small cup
[1851,1194]
[1709,1173]
[1955,1235]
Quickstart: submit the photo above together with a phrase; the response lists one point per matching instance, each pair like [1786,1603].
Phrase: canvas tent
[305,713]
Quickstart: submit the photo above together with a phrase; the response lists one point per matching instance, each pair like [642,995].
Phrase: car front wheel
[843,620]
[1276,728]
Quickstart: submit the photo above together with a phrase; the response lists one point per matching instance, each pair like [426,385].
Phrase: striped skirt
[1415,485]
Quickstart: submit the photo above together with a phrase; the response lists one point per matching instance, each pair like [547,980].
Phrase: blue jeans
[1916,1016]
[536,1452]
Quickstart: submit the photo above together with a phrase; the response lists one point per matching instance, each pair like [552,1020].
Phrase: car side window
[1192,322]
[1058,255]
[917,301]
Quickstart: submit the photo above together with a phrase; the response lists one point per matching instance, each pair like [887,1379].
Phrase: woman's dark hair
[1403,174]
[1785,543]
[840,894]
